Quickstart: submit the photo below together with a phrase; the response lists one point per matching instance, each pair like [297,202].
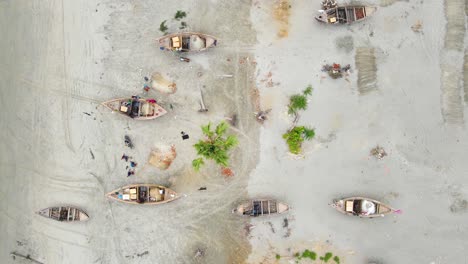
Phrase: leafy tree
[215,146]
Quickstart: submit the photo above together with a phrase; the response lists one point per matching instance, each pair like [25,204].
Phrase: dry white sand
[415,113]
[59,59]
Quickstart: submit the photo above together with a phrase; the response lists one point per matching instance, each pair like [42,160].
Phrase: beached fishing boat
[344,14]
[136,108]
[143,194]
[362,207]
[64,213]
[261,207]
[187,41]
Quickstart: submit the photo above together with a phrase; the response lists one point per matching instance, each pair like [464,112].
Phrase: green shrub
[162,27]
[278,257]
[309,254]
[180,14]
[327,257]
[336,259]
[296,136]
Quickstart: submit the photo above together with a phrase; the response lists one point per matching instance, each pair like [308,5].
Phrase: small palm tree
[215,146]
[299,101]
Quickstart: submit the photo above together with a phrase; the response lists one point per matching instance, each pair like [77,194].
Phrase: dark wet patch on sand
[345,43]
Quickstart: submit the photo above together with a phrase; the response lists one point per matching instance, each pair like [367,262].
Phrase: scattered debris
[184,135]
[139,255]
[232,120]
[378,152]
[146,79]
[261,116]
[184,59]
[459,205]
[268,80]
[335,70]
[271,227]
[227,172]
[199,253]
[87,113]
[226,76]
[202,189]
[285,222]
[248,228]
[327,4]
[130,172]
[14,255]
[162,157]
[128,142]
[92,154]
[417,27]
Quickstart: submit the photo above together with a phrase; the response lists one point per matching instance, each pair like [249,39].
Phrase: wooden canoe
[136,108]
[64,214]
[260,207]
[187,41]
[151,194]
[345,14]
[362,207]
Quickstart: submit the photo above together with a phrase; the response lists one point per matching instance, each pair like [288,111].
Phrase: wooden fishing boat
[143,194]
[187,41]
[362,207]
[260,207]
[64,213]
[345,14]
[136,108]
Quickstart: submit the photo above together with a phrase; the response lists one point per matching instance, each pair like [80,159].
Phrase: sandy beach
[407,92]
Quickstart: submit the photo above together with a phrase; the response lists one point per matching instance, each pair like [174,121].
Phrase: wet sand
[405,94]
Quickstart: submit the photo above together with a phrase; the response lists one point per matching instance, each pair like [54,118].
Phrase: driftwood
[202,102]
[14,255]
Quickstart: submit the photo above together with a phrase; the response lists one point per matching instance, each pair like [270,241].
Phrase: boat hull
[147,109]
[64,214]
[345,15]
[147,194]
[260,207]
[187,42]
[362,207]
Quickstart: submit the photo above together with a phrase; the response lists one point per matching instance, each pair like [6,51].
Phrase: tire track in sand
[66,101]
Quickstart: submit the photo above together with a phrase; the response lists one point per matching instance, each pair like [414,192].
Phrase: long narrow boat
[345,14]
[64,213]
[187,41]
[362,207]
[136,108]
[143,194]
[260,207]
